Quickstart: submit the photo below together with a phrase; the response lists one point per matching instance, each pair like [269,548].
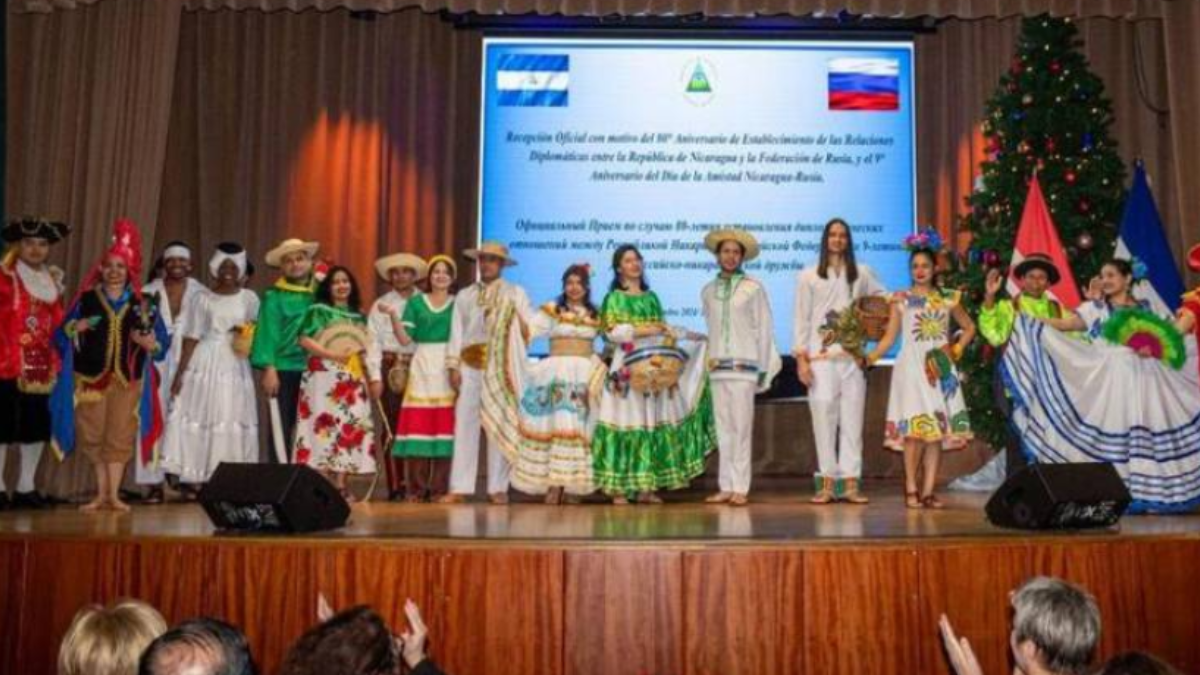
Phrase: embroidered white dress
[1088,400]
[215,417]
[926,400]
[540,412]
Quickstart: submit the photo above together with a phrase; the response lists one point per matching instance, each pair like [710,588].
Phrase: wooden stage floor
[780,587]
[777,518]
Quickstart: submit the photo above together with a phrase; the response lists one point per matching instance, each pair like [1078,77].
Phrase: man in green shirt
[1035,275]
[277,351]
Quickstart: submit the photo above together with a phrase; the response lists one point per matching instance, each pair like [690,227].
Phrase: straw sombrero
[389,262]
[490,248]
[712,241]
[275,256]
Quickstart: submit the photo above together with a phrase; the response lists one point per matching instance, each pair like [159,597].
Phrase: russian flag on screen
[864,84]
[533,79]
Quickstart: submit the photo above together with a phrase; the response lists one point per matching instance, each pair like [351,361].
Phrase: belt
[571,347]
[475,356]
[732,365]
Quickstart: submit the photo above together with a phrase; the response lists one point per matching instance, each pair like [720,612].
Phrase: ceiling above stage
[966,9]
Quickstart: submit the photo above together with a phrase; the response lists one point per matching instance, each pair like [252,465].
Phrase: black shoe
[5,503]
[154,496]
[128,496]
[28,500]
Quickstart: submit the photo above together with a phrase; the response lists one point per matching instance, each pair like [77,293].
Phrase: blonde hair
[109,640]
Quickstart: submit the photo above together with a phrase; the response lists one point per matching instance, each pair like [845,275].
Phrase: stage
[780,586]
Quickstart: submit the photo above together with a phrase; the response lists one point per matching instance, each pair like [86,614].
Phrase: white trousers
[468,424]
[837,398]
[733,403]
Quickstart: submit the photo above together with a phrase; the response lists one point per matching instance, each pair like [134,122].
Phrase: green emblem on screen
[699,78]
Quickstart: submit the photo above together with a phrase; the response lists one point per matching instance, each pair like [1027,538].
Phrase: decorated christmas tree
[1049,114]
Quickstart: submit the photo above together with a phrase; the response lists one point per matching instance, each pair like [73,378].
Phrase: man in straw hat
[401,271]
[30,308]
[276,350]
[466,356]
[837,387]
[1035,275]
[742,358]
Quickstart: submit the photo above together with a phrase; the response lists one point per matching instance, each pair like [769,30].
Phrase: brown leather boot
[852,494]
[825,486]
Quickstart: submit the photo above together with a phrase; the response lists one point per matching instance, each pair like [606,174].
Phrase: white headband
[219,258]
[177,251]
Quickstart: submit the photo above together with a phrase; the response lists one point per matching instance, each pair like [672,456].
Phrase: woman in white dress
[926,412]
[540,412]
[214,418]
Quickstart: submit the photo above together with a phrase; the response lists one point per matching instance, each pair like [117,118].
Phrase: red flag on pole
[1037,234]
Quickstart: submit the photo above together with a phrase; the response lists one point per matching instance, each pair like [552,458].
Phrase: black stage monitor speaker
[272,498]
[1060,496]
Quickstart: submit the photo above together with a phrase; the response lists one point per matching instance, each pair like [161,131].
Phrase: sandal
[912,501]
[930,501]
[649,498]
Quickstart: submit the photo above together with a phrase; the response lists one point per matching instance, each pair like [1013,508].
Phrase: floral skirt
[334,431]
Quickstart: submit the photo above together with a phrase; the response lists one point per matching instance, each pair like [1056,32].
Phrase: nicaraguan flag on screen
[1142,237]
[864,84]
[533,80]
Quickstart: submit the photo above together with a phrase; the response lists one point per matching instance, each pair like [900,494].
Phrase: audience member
[202,646]
[1137,663]
[109,640]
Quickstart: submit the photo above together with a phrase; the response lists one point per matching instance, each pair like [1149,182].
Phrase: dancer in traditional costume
[30,308]
[1127,393]
[655,425]
[277,351]
[742,358]
[214,414]
[540,413]
[334,429]
[926,413]
[172,290]
[107,396]
[402,271]
[466,355]
[425,429]
[837,387]
[1035,275]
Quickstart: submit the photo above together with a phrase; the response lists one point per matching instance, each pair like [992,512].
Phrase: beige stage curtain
[89,104]
[361,134]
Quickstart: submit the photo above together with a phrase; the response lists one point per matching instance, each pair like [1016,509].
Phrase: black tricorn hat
[17,229]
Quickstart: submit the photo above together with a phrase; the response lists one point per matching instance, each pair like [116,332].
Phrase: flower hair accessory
[925,238]
[1140,270]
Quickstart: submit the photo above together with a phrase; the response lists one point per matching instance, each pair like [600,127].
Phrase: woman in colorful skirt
[1127,393]
[539,412]
[334,431]
[648,438]
[425,429]
[925,413]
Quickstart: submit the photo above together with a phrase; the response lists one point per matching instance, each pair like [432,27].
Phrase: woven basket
[873,313]
[655,369]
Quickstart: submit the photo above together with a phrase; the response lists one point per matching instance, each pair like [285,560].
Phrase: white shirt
[380,322]
[816,298]
[469,324]
[740,328]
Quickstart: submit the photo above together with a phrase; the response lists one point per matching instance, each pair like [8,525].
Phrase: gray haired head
[1061,620]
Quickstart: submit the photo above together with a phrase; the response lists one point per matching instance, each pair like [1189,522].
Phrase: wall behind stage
[361,131]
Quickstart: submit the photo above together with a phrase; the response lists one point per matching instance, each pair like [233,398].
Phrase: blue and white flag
[533,80]
[1143,241]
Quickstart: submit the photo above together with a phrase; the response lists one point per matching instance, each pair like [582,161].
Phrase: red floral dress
[334,431]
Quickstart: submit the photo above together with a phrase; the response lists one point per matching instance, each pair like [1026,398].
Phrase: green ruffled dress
[644,442]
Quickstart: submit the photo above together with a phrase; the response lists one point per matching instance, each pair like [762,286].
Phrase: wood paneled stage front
[779,587]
